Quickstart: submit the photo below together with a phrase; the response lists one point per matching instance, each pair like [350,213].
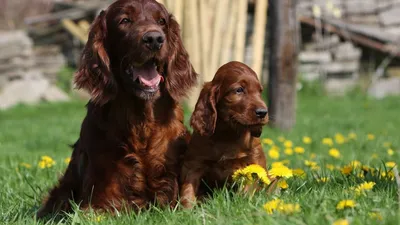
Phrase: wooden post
[205,33]
[260,21]
[178,11]
[192,42]
[226,47]
[240,40]
[220,18]
[283,44]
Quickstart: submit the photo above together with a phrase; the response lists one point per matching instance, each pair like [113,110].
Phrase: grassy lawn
[28,133]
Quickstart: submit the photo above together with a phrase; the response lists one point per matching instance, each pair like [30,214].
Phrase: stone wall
[28,74]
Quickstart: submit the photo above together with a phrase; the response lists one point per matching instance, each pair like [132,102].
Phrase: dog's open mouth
[147,76]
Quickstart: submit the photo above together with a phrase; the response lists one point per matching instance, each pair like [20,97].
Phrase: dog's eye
[239,90]
[125,21]
[161,21]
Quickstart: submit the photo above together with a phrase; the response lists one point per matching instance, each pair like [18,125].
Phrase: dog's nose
[261,113]
[153,40]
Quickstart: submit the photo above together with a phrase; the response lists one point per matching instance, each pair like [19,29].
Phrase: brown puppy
[227,123]
[133,138]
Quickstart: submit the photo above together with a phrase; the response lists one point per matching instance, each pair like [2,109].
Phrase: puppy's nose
[261,113]
[153,40]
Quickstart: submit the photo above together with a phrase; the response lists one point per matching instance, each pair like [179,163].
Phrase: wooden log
[240,40]
[221,12]
[357,38]
[75,30]
[260,22]
[315,57]
[84,25]
[283,44]
[229,34]
[65,14]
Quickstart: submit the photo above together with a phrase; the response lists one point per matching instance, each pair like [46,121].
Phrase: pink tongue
[152,82]
[148,75]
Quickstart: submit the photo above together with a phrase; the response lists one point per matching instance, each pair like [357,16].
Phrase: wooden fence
[214,33]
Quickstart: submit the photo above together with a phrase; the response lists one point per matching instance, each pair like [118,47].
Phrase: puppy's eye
[161,21]
[125,21]
[239,90]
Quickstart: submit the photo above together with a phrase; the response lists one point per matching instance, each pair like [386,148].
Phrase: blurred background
[341,46]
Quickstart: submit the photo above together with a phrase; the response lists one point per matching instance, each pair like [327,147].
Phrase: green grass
[27,133]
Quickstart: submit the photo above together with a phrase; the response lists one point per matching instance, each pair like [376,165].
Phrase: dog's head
[233,96]
[134,48]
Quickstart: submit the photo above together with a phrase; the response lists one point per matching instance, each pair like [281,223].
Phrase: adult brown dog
[227,123]
[137,70]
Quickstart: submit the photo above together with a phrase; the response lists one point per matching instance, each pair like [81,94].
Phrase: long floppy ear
[180,73]
[94,74]
[204,117]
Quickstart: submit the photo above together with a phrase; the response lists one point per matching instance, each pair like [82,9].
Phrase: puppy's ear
[94,74]
[204,117]
[180,75]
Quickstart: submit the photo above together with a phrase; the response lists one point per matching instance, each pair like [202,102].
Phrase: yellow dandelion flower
[251,173]
[339,138]
[330,167]
[348,203]
[310,163]
[268,141]
[387,144]
[375,216]
[362,188]
[67,160]
[273,154]
[334,153]
[289,208]
[389,175]
[238,174]
[283,184]
[370,137]
[341,222]
[288,151]
[299,150]
[327,141]
[352,136]
[323,180]
[355,164]
[390,152]
[367,168]
[281,139]
[281,171]
[278,205]
[390,164]
[299,173]
[26,165]
[313,156]
[288,144]
[272,205]
[360,175]
[346,170]
[307,140]
[46,162]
